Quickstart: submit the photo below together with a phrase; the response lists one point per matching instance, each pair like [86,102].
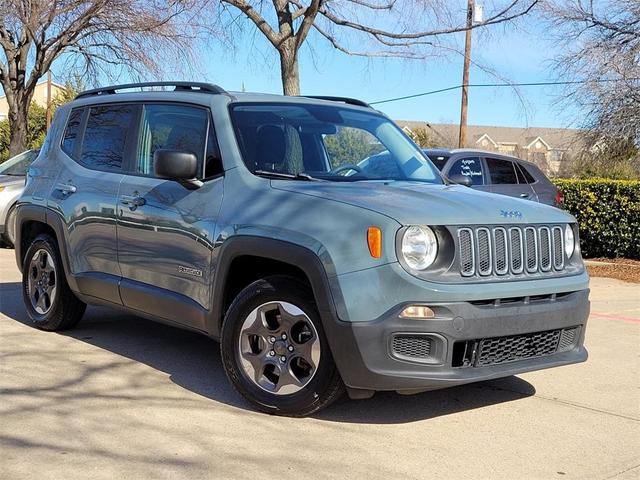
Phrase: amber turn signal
[374,240]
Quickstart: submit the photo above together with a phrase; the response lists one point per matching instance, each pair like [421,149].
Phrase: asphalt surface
[120,397]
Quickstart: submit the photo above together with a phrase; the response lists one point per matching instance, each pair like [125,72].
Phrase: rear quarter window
[525,173]
[72,130]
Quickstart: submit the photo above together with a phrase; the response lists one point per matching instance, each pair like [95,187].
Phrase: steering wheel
[346,168]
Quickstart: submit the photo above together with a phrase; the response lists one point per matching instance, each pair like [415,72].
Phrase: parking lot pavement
[121,397]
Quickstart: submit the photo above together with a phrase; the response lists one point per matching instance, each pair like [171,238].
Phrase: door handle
[524,195]
[132,201]
[66,189]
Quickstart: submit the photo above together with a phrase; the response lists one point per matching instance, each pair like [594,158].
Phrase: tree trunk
[18,124]
[289,69]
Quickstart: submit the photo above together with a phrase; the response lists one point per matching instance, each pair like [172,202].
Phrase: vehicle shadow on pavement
[193,362]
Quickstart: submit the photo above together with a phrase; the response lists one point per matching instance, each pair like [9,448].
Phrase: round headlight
[569,241]
[419,247]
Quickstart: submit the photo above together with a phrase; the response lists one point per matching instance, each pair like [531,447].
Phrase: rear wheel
[274,350]
[50,303]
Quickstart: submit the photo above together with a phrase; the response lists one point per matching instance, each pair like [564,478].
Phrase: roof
[447,133]
[470,151]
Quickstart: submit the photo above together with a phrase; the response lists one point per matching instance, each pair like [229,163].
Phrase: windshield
[19,164]
[328,143]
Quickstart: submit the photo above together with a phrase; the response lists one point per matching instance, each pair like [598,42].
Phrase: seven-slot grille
[501,250]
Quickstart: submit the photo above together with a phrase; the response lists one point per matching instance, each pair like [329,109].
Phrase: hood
[417,203]
[6,180]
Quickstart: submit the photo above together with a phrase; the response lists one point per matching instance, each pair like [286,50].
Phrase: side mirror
[461,180]
[175,164]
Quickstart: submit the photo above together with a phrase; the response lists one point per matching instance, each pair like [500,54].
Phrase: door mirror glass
[461,179]
[175,164]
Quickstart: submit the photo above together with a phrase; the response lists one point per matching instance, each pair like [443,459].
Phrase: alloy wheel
[279,348]
[42,281]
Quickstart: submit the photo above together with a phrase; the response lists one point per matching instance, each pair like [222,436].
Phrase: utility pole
[462,137]
[48,99]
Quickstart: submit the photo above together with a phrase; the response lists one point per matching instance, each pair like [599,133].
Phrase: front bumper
[368,361]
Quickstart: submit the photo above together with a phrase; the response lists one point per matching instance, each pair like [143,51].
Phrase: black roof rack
[179,86]
[350,101]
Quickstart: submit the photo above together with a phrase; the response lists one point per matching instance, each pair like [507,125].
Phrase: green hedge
[608,213]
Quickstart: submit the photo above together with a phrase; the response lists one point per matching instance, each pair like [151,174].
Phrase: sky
[521,55]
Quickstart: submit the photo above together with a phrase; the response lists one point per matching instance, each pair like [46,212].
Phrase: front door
[471,167]
[166,228]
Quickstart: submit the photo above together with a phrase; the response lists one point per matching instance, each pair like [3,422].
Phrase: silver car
[12,174]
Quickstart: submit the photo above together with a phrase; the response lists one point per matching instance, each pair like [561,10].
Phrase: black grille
[568,339]
[413,347]
[497,350]
[531,249]
[558,251]
[484,251]
[516,250]
[508,349]
[467,266]
[500,245]
[545,249]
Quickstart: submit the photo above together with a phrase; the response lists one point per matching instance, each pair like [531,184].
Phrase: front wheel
[274,350]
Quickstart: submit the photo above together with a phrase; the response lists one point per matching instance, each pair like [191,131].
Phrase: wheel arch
[33,220]
[295,260]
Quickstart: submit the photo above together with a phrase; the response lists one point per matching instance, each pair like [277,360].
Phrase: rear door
[94,149]
[507,179]
[472,167]
[166,228]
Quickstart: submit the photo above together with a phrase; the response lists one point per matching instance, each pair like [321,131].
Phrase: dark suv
[248,218]
[496,173]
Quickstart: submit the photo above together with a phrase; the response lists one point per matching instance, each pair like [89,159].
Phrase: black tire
[325,385]
[64,310]
[9,236]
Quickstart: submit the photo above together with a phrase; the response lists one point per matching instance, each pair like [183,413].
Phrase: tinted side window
[212,159]
[502,171]
[439,160]
[105,136]
[469,167]
[70,138]
[171,127]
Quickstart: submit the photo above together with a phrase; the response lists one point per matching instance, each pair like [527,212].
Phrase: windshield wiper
[290,176]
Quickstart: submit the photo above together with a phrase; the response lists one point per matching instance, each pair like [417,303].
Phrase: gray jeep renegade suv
[246,217]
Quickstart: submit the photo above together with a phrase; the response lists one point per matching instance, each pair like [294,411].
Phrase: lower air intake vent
[497,350]
[415,348]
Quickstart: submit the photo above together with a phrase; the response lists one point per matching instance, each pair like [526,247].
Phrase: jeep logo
[511,214]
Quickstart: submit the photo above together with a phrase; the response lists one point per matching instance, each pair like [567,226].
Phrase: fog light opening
[417,312]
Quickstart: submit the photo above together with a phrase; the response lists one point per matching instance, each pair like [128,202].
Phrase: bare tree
[601,43]
[136,35]
[362,27]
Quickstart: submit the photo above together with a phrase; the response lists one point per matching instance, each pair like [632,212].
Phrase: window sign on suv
[310,236]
